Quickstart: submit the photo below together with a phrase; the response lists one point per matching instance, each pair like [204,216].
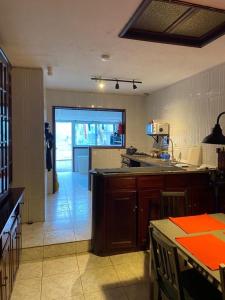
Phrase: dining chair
[222,279]
[173,204]
[172,283]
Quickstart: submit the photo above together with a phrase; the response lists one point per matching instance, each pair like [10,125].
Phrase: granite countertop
[156,166]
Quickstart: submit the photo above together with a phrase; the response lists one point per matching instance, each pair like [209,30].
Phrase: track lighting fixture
[134,86]
[117,86]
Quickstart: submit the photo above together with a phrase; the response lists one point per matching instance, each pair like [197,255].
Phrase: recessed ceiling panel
[202,22]
[153,18]
[175,22]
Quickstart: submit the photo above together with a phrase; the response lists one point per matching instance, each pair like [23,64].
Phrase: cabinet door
[201,200]
[148,209]
[14,264]
[6,283]
[122,219]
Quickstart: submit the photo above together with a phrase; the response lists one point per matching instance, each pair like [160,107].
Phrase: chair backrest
[166,266]
[222,279]
[173,204]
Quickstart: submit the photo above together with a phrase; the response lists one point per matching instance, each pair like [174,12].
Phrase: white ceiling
[71,35]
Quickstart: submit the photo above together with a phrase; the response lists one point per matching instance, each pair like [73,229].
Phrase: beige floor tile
[28,270]
[60,265]
[91,261]
[59,215]
[32,254]
[138,292]
[36,227]
[108,294]
[58,225]
[83,246]
[98,279]
[32,240]
[59,236]
[128,274]
[78,296]
[59,286]
[128,258]
[59,250]
[27,289]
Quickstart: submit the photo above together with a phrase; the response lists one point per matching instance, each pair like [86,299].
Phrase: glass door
[64,147]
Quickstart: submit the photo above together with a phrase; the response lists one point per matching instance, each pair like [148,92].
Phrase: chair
[170,281]
[173,204]
[222,279]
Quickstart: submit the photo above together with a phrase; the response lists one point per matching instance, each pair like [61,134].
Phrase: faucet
[172,158]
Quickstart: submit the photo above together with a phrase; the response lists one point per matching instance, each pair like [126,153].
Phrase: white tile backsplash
[191,107]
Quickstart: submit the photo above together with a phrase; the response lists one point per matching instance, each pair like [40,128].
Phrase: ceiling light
[216,137]
[105,57]
[134,86]
[101,82]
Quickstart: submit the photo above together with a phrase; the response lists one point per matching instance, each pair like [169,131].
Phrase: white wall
[28,139]
[191,107]
[135,120]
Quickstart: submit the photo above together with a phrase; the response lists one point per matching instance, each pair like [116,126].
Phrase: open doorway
[77,131]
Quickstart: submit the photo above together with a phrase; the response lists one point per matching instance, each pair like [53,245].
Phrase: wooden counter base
[123,205]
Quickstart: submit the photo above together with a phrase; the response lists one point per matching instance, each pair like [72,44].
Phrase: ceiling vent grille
[175,22]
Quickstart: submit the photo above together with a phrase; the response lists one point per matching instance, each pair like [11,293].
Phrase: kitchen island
[126,199]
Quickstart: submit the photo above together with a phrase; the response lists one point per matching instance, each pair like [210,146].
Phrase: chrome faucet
[172,158]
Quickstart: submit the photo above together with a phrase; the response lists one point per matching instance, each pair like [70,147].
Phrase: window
[94,127]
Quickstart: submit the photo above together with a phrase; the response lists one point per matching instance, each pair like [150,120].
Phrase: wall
[191,107]
[28,139]
[135,120]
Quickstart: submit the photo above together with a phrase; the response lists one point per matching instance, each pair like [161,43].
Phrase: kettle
[131,150]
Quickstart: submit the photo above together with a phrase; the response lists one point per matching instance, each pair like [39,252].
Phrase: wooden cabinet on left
[10,241]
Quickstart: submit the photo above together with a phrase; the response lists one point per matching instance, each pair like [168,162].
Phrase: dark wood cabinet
[148,209]
[10,243]
[122,219]
[123,205]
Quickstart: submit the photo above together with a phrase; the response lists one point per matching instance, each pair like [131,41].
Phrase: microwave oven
[157,128]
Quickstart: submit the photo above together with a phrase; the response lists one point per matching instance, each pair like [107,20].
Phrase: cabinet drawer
[120,183]
[176,181]
[199,179]
[147,182]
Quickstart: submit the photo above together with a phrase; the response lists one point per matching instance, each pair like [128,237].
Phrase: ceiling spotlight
[105,57]
[134,86]
[101,81]
[101,85]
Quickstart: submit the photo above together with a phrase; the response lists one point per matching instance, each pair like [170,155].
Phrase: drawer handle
[6,232]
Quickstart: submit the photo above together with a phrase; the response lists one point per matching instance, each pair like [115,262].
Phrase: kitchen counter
[153,166]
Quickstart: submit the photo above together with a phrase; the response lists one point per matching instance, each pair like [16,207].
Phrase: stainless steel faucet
[172,158]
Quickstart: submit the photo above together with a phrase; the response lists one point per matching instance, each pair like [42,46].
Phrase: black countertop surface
[154,166]
[8,205]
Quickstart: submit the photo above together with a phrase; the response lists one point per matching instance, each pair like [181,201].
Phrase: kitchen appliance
[157,128]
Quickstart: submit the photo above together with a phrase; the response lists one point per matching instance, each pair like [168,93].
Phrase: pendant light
[216,137]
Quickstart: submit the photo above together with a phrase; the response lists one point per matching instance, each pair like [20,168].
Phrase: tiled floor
[68,214]
[84,276]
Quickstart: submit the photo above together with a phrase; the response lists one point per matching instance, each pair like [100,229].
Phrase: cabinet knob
[134,209]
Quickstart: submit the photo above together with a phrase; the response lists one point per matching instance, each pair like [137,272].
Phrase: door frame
[54,107]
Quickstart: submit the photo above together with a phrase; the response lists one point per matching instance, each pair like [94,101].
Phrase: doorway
[77,131]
